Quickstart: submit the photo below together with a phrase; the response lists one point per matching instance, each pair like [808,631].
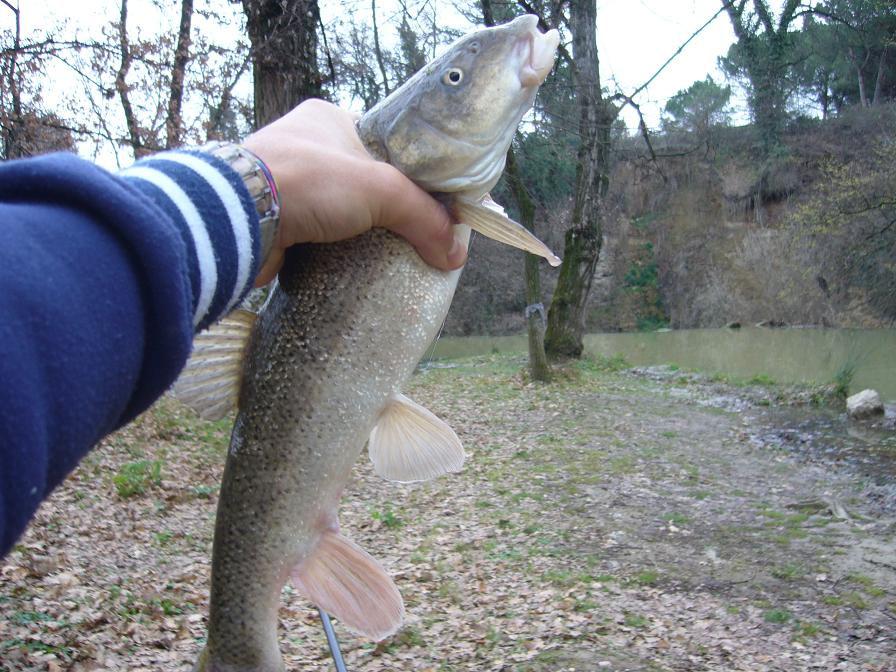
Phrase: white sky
[635,37]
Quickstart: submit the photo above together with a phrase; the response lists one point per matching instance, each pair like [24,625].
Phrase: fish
[317,374]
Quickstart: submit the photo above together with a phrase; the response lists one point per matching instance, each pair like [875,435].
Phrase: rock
[865,404]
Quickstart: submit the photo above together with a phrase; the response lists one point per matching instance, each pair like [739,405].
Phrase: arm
[102,283]
[104,278]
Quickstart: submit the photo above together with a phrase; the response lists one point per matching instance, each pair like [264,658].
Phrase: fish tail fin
[410,444]
[345,581]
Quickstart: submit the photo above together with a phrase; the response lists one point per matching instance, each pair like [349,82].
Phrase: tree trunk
[173,121]
[535,315]
[121,86]
[863,95]
[566,317]
[12,124]
[768,62]
[878,82]
[284,55]
[539,369]
[378,49]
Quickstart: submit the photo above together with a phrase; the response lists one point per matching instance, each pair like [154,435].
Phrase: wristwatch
[260,183]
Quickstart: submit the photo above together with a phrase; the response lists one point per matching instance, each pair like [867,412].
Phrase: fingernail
[457,255]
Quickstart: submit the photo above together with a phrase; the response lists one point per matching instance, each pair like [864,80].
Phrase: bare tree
[566,317]
[12,119]
[174,122]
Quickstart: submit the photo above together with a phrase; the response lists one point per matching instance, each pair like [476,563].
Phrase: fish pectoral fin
[489,219]
[210,382]
[410,444]
[347,582]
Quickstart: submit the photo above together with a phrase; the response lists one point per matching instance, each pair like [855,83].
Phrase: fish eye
[453,76]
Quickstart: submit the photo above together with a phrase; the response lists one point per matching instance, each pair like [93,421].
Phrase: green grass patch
[788,572]
[645,578]
[26,617]
[388,518]
[676,519]
[134,478]
[867,585]
[635,620]
[777,616]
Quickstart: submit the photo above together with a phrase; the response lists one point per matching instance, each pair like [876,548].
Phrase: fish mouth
[538,51]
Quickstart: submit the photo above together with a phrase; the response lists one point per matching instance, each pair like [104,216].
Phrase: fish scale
[320,370]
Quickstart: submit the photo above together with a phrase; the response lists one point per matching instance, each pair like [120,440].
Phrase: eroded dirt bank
[612,521]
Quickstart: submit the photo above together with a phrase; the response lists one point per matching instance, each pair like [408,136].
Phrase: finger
[412,213]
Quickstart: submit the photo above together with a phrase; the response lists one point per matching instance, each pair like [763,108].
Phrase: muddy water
[784,355]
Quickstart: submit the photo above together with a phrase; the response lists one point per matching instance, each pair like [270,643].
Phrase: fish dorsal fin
[344,580]
[409,443]
[210,383]
[489,219]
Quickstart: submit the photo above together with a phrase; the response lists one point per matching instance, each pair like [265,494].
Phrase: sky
[635,37]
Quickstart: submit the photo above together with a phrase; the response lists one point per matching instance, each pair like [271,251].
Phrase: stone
[865,404]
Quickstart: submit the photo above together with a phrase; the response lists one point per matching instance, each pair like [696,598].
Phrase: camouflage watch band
[260,183]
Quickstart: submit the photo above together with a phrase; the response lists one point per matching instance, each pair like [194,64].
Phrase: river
[783,355]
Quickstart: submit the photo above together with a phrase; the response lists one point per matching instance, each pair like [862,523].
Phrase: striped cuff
[215,215]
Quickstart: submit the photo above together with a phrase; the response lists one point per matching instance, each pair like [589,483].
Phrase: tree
[566,317]
[538,361]
[25,128]
[284,41]
[763,55]
[698,108]
[865,33]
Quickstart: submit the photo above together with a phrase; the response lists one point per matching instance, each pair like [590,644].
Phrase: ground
[614,520]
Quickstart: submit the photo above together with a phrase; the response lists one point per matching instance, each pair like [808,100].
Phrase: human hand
[332,189]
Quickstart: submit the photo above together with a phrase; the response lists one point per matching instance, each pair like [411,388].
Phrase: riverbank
[616,520]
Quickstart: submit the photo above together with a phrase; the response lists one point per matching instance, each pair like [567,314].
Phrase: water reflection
[784,355]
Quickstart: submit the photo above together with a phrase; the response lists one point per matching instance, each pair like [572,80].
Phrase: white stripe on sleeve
[235,213]
[205,256]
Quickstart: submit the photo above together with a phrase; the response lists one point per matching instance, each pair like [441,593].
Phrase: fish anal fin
[410,444]
[489,219]
[210,382]
[344,580]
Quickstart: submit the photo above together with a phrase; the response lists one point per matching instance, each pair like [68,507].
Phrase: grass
[635,621]
[134,478]
[645,578]
[788,572]
[676,519]
[843,378]
[776,616]
[388,518]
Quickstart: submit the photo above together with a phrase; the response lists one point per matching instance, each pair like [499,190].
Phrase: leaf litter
[611,521]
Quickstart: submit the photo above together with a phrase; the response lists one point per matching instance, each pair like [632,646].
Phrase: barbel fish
[318,373]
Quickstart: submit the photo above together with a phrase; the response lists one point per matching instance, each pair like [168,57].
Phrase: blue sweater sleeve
[103,280]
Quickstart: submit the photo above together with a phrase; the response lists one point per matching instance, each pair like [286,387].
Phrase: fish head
[449,127]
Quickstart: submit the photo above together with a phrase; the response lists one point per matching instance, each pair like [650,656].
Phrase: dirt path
[612,521]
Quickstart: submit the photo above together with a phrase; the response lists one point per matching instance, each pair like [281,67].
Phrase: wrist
[262,188]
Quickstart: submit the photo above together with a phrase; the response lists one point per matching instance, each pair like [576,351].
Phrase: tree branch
[725,5]
[122,87]
[173,121]
[377,49]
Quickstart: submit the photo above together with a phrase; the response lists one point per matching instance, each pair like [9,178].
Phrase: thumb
[424,222]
